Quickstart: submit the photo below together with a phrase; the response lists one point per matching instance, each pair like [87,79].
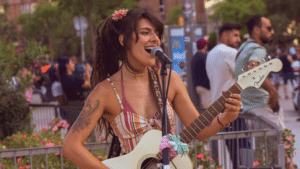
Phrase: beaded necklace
[141,74]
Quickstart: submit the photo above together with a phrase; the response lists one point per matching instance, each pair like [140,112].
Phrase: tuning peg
[243,70]
[264,60]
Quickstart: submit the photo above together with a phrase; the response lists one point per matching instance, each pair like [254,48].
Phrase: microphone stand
[166,157]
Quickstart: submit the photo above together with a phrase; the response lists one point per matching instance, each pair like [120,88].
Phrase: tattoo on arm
[84,120]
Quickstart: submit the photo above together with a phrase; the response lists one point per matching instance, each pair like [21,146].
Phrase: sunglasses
[269,28]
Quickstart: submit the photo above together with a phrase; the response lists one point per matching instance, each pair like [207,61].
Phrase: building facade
[160,8]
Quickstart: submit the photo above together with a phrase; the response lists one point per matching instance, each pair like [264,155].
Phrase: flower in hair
[119,14]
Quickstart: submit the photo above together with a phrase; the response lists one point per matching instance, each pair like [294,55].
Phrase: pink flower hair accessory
[119,14]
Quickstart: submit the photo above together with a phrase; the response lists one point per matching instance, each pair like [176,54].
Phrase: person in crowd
[123,93]
[264,100]
[57,90]
[220,62]
[72,85]
[275,75]
[25,75]
[199,75]
[220,67]
[39,80]
[286,71]
[79,68]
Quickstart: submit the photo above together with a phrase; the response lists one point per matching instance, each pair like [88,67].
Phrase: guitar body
[144,155]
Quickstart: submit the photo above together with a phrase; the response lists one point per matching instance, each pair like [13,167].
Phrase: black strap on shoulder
[156,89]
[248,42]
[115,148]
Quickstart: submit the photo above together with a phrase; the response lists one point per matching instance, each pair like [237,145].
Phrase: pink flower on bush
[57,154]
[255,163]
[100,157]
[24,136]
[63,123]
[289,138]
[287,146]
[55,128]
[3,166]
[200,156]
[34,135]
[101,138]
[3,142]
[105,156]
[44,128]
[200,167]
[24,167]
[50,144]
[19,159]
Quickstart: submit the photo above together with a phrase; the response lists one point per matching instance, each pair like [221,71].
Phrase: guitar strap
[115,147]
[156,89]
[248,42]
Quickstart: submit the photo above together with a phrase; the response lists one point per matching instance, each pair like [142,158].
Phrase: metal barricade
[42,114]
[41,155]
[258,145]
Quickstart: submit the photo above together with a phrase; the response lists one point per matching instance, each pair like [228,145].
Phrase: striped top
[130,126]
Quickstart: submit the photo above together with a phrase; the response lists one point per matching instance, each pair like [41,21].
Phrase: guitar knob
[265,65]
[243,70]
[269,57]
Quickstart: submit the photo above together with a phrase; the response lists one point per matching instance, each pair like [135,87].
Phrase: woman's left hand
[232,108]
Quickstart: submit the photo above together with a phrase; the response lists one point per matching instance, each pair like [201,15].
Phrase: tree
[174,15]
[8,31]
[14,110]
[238,11]
[95,11]
[285,17]
[52,27]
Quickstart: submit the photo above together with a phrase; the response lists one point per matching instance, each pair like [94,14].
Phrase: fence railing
[261,143]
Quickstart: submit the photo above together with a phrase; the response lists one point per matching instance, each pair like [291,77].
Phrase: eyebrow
[147,28]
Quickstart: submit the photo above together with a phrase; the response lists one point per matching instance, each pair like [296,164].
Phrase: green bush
[14,109]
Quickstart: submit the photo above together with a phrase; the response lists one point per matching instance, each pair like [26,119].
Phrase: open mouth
[148,50]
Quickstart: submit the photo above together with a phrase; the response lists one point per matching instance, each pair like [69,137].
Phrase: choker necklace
[133,74]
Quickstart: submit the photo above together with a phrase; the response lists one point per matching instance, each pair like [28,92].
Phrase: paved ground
[290,119]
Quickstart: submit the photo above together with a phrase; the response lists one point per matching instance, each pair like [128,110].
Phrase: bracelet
[218,118]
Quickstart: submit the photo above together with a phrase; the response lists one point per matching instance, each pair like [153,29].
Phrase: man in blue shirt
[264,100]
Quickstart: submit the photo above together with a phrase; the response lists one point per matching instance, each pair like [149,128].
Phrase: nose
[155,37]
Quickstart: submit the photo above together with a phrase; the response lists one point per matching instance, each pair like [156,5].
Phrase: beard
[266,40]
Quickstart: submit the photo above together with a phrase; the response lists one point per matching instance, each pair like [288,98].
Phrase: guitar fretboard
[191,131]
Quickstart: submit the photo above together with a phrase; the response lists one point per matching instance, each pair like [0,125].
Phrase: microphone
[158,52]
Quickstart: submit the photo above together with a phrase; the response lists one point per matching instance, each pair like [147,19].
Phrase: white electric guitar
[146,154]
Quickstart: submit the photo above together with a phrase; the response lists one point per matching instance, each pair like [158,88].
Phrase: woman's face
[71,65]
[139,54]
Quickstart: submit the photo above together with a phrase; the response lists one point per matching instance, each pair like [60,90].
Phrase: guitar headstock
[256,76]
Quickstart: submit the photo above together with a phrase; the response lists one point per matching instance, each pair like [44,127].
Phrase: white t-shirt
[57,89]
[220,65]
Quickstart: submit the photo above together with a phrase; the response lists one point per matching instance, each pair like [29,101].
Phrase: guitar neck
[191,131]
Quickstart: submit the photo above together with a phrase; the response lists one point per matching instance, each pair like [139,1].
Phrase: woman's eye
[144,33]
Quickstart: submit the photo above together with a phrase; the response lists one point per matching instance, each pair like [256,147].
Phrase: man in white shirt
[220,66]
[220,62]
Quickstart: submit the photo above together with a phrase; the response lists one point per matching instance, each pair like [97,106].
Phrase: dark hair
[255,20]
[109,51]
[52,74]
[62,62]
[228,27]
